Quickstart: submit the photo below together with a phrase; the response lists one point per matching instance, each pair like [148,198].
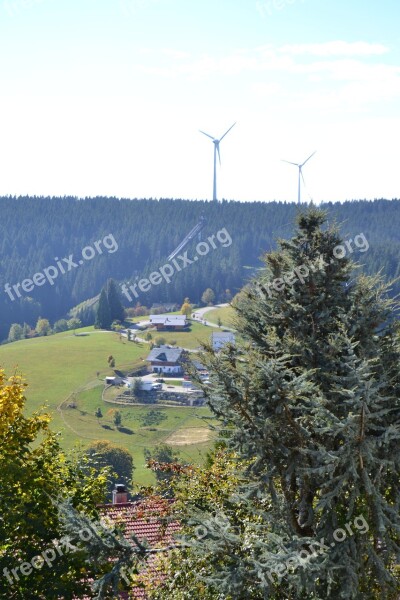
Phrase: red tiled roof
[149,521]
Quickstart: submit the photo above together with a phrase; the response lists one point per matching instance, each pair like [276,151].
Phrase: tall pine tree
[110,307]
[114,301]
[103,315]
[310,396]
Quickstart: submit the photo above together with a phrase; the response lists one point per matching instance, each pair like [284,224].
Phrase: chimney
[120,494]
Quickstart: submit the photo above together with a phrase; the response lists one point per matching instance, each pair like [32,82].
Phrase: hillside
[64,370]
[127,239]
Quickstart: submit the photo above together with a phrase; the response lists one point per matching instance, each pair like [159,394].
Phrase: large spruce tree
[110,307]
[114,301]
[310,396]
[103,315]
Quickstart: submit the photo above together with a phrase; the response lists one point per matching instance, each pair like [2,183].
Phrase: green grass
[56,365]
[62,369]
[137,434]
[226,314]
[192,338]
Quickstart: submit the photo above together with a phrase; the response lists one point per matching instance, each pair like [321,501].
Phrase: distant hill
[42,240]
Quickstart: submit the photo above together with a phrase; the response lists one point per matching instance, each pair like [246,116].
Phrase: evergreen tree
[26,331]
[114,302]
[310,397]
[103,316]
[117,419]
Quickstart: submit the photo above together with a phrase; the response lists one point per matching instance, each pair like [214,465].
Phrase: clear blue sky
[107,97]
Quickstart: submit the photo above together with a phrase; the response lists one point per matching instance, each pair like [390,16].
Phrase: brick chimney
[120,494]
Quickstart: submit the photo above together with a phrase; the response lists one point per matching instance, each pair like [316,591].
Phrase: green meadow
[226,314]
[64,373]
[192,338]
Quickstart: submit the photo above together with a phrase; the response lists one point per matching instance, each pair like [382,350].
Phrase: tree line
[38,233]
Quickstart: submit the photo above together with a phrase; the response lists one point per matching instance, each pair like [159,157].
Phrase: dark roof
[165,354]
[222,335]
[198,365]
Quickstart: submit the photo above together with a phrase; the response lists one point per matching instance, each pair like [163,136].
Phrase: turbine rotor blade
[207,134]
[227,131]
[302,176]
[219,155]
[290,163]
[311,155]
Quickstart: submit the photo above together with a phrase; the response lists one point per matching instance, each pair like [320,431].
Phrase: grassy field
[142,427]
[226,314]
[62,371]
[192,338]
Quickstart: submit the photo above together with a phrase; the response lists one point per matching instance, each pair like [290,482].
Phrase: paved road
[200,312]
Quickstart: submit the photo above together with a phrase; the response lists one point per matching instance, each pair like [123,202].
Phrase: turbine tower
[216,143]
[300,167]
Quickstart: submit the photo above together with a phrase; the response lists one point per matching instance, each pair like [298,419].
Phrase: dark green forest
[37,233]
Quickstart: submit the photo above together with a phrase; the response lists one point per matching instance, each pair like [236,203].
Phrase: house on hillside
[201,369]
[150,521]
[167,360]
[169,322]
[220,338]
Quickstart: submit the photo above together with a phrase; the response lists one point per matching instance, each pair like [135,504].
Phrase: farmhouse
[166,359]
[219,339]
[169,322]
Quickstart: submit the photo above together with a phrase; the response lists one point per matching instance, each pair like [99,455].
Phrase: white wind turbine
[216,143]
[300,167]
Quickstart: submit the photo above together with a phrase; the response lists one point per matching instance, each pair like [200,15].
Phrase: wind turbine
[216,143]
[300,167]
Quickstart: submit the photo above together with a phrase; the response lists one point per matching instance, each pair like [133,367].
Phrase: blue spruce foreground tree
[309,398]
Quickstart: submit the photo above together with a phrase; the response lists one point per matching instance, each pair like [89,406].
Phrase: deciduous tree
[106,454]
[34,473]
[43,327]
[16,333]
[208,296]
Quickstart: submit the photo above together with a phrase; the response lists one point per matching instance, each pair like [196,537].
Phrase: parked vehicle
[148,386]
